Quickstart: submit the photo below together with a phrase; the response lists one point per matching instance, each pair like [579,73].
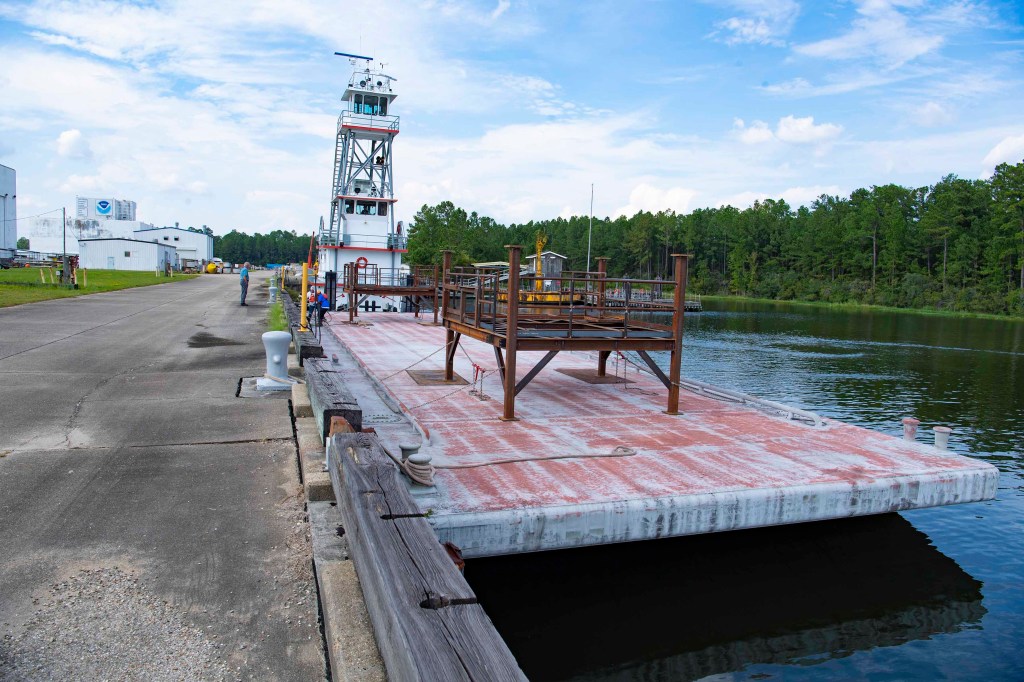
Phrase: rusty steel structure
[360,280]
[505,309]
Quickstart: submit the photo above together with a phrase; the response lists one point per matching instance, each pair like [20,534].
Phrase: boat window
[382,208]
[367,208]
[383,106]
[350,206]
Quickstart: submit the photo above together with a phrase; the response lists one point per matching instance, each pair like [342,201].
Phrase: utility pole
[590,232]
[64,275]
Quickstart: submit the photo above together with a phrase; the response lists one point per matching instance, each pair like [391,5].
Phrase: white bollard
[276,378]
[273,294]
[942,436]
[910,428]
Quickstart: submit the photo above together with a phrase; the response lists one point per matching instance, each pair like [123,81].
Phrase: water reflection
[690,607]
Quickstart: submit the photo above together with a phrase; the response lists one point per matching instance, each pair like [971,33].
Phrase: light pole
[64,275]
[590,232]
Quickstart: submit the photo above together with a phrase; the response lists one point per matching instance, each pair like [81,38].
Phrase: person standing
[244,280]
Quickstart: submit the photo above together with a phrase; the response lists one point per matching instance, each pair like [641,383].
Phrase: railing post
[305,293]
[679,311]
[511,332]
[435,282]
[449,334]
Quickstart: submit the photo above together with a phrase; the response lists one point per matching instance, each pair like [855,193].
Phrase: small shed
[551,267]
[118,253]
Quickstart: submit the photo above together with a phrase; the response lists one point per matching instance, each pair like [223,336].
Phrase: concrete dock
[596,463]
[152,524]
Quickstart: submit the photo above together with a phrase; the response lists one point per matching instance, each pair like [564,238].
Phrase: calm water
[930,594]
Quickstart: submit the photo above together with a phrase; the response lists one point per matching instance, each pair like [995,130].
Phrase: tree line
[279,246]
[954,245]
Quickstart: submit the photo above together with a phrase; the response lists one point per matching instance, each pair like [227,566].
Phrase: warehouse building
[191,245]
[9,216]
[125,254]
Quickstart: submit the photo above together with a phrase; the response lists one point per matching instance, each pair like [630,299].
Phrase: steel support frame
[512,342]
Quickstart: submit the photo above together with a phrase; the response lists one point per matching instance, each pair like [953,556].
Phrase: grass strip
[24,285]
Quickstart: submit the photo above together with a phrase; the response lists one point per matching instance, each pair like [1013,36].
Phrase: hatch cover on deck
[434,377]
[590,376]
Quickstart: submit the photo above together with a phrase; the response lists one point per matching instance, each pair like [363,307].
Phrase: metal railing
[569,304]
[352,118]
[370,275]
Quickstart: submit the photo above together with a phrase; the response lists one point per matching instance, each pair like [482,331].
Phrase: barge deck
[597,460]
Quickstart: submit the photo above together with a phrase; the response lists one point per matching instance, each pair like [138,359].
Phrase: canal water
[925,595]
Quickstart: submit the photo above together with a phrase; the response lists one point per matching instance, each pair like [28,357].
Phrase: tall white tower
[362,223]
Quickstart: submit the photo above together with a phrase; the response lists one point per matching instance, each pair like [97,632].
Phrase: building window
[127,254]
[175,239]
[166,238]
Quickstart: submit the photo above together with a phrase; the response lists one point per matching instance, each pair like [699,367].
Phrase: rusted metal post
[449,334]
[602,362]
[679,301]
[511,332]
[435,282]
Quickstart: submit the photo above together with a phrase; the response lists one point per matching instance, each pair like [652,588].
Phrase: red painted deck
[715,448]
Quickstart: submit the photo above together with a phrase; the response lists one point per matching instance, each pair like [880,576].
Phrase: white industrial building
[125,254]
[89,208]
[191,245]
[9,215]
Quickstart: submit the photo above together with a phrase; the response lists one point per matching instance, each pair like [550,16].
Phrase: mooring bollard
[942,436]
[408,449]
[910,428]
[276,378]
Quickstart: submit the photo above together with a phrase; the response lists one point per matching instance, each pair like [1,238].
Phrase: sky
[223,113]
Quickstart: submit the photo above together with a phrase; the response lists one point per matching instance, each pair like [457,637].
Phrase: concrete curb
[351,645]
[301,407]
[315,479]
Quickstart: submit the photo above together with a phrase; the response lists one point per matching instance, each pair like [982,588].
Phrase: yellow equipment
[211,268]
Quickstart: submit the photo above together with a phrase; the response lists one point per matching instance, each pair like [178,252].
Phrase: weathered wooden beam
[425,616]
[330,397]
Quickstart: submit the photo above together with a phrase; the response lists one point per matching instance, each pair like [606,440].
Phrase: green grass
[23,285]
[865,307]
[277,322]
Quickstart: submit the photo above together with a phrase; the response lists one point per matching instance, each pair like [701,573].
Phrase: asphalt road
[150,520]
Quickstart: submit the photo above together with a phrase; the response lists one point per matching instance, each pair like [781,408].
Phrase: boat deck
[717,466]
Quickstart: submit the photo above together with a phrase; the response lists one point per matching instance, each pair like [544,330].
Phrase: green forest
[955,245]
[279,246]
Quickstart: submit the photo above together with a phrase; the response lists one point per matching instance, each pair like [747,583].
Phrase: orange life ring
[361,262]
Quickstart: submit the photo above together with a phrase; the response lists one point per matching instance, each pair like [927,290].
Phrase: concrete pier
[596,462]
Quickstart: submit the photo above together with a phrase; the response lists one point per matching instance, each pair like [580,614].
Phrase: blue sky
[223,113]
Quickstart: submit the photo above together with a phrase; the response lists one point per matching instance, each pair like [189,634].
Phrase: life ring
[361,262]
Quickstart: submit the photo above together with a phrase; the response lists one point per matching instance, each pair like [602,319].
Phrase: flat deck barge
[595,460]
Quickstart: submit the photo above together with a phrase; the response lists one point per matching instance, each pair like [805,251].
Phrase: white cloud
[789,129]
[645,197]
[756,133]
[932,114]
[742,199]
[1009,150]
[805,131]
[761,22]
[894,32]
[71,145]
[804,196]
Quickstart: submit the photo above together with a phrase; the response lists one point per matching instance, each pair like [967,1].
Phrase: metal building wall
[143,255]
[8,208]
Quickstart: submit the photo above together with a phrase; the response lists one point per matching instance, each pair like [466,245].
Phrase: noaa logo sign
[104,207]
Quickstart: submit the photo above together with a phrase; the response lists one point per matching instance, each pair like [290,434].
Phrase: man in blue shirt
[244,279]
